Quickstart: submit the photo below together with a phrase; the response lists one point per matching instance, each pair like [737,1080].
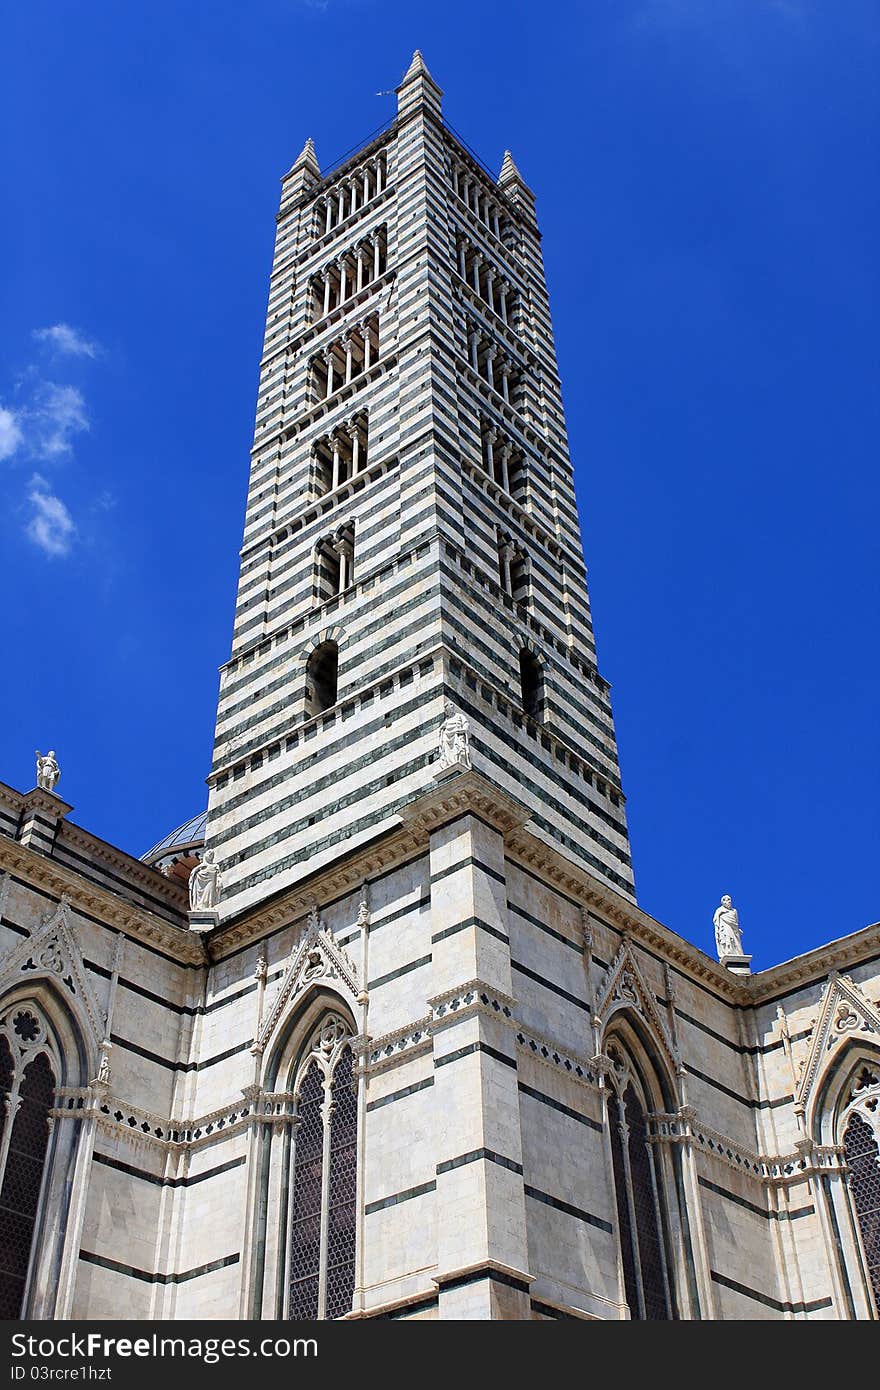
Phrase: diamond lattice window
[863,1160]
[642,1249]
[324,1207]
[27,1084]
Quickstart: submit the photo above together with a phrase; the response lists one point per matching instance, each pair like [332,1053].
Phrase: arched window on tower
[531,684]
[637,1193]
[27,1081]
[324,1181]
[322,678]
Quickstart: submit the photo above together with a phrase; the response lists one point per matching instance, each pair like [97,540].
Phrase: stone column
[336,448]
[343,280]
[482,1247]
[490,365]
[326,292]
[355,436]
[375,255]
[360,269]
[328,358]
[505,469]
[491,436]
[346,343]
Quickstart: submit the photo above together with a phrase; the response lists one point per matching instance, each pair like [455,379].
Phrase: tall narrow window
[28,1083]
[859,1128]
[530,684]
[308,1191]
[342,1190]
[323,1208]
[638,1213]
[322,678]
[863,1161]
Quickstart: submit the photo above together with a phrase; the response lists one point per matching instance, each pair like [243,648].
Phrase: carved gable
[845,1014]
[625,987]
[52,953]
[316,957]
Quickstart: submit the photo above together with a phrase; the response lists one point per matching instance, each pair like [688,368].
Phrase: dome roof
[186,837]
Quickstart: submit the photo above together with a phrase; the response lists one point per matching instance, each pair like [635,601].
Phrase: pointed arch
[41,1048]
[646,1180]
[845,1115]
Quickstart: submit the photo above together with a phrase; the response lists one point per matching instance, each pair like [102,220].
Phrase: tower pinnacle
[417,88]
[307,158]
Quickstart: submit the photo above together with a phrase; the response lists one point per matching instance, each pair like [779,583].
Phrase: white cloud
[51,526]
[11,433]
[59,412]
[67,340]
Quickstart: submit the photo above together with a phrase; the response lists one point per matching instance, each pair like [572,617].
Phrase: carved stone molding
[408,1042]
[137,922]
[315,958]
[625,988]
[845,1015]
[52,953]
[473,997]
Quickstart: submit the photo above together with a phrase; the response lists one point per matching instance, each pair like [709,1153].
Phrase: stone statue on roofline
[204,884]
[48,770]
[728,937]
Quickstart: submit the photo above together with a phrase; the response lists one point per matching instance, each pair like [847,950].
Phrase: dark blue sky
[707,177]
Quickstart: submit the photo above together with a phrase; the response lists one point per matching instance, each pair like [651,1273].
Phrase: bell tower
[411,547]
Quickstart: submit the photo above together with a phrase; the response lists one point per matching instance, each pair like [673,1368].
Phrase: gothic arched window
[27,1082]
[639,1217]
[324,1181]
[860,1129]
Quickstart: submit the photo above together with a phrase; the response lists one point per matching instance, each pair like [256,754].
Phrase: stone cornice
[395,847]
[139,874]
[134,921]
[455,796]
[39,798]
[840,955]
[462,792]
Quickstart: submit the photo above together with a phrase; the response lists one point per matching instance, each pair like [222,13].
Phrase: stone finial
[307,158]
[417,89]
[417,68]
[512,183]
[509,171]
[48,771]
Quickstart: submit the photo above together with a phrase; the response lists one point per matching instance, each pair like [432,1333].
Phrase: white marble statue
[728,937]
[454,749]
[48,770]
[204,884]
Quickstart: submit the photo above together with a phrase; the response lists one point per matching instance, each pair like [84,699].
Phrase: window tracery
[860,1132]
[28,1069]
[324,1183]
[637,1194]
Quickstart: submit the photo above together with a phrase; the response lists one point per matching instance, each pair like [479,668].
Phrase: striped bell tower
[411,552]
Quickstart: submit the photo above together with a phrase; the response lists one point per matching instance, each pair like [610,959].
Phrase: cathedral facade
[384,1032]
